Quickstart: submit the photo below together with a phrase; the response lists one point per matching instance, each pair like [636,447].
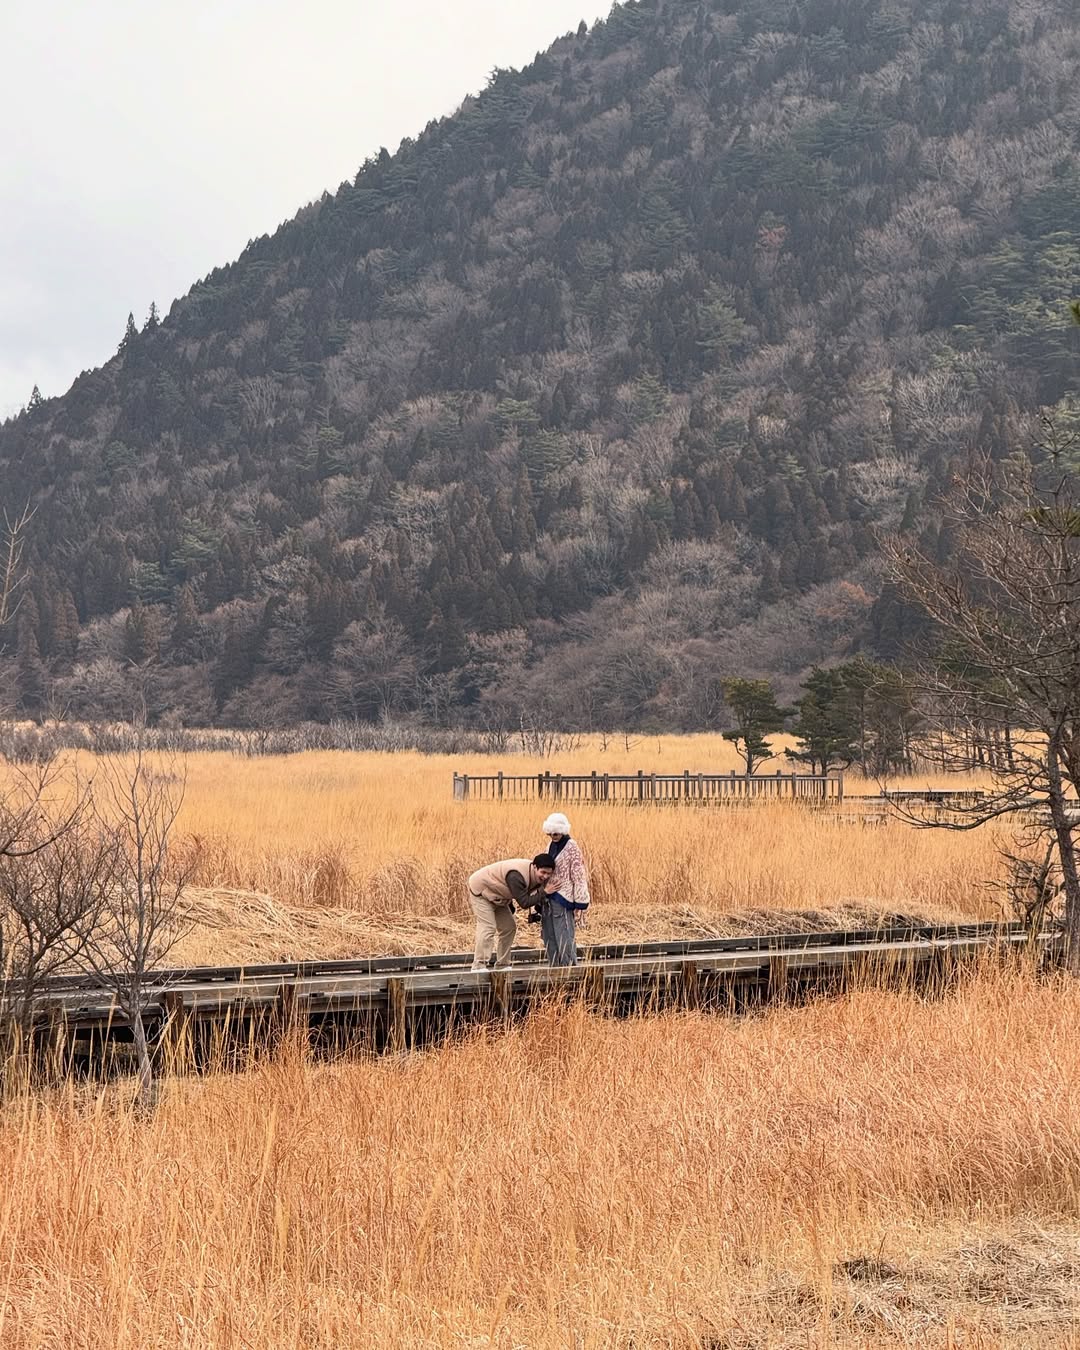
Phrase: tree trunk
[146,1096]
[1063,836]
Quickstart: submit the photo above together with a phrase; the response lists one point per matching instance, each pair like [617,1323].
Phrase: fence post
[460,783]
[594,785]
[641,785]
[500,784]
[294,1013]
[690,984]
[500,995]
[652,788]
[607,787]
[558,787]
[701,785]
[547,781]
[779,984]
[686,784]
[177,1038]
[539,784]
[395,1014]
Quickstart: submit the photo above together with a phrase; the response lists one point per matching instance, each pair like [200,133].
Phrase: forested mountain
[594,393]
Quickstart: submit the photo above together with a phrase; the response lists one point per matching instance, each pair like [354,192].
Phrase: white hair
[556,824]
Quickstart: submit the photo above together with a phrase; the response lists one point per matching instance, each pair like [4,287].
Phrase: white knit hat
[556,824]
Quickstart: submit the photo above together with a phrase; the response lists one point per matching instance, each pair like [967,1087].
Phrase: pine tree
[186,629]
[141,637]
[130,334]
[31,676]
[828,722]
[64,631]
[756,715]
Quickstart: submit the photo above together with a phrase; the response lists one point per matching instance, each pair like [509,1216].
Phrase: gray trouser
[557,930]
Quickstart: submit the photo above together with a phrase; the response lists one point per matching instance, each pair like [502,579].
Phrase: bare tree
[38,806]
[12,571]
[1006,613]
[372,671]
[50,896]
[140,918]
[48,885]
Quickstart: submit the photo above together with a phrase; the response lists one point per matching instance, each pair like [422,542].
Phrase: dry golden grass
[873,1171]
[333,854]
[328,853]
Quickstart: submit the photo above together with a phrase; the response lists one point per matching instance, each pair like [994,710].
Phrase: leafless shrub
[26,744]
[50,896]
[1034,890]
[139,918]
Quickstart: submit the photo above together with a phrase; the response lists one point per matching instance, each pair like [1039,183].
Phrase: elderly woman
[566,894]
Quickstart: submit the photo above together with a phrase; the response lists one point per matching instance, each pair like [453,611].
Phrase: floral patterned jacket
[571,880]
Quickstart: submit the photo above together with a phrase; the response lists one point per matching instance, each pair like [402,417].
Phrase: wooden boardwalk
[395,1002]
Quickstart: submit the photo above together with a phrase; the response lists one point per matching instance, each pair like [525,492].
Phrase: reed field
[876,1170]
[328,853]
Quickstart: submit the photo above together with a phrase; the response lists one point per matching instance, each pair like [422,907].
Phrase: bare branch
[1005,666]
[12,572]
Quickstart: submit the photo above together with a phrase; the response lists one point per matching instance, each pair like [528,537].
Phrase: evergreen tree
[827,726]
[186,628]
[755,714]
[130,334]
[141,636]
[64,635]
[31,676]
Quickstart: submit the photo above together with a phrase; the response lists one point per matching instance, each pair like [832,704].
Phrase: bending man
[493,892]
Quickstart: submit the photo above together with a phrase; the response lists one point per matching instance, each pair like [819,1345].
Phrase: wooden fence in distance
[650,787]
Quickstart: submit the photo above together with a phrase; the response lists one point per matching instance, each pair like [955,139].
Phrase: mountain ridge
[595,392]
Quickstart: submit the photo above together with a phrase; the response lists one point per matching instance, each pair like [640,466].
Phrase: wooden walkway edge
[392,1003]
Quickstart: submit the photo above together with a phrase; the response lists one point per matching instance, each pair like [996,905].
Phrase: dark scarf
[554,849]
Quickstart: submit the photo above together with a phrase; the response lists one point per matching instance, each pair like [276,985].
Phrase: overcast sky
[146,141]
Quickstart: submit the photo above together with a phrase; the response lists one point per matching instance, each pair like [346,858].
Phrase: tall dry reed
[381,835]
[339,852]
[848,1173]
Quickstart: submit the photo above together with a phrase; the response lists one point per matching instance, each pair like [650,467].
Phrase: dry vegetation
[335,853]
[872,1171]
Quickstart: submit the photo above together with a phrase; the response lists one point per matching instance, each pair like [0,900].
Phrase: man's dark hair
[544,860]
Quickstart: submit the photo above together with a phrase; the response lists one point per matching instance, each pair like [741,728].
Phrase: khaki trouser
[492,919]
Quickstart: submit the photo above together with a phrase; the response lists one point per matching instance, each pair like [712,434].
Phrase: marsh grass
[879,1169]
[364,847]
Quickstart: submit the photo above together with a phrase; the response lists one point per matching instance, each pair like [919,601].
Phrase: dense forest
[596,393]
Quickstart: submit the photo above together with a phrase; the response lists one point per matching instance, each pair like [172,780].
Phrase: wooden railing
[649,787]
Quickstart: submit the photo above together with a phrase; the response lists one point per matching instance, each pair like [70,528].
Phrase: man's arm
[518,887]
